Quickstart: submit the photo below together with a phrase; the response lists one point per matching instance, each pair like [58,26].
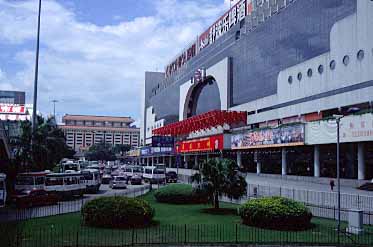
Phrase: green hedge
[276,213]
[180,194]
[117,212]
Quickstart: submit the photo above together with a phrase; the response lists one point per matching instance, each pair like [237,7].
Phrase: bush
[276,213]
[180,194]
[117,212]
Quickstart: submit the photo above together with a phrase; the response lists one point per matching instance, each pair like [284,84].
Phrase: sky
[94,53]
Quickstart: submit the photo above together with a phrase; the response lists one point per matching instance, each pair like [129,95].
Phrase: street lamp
[177,159]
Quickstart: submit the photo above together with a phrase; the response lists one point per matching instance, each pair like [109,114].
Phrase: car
[32,198]
[119,182]
[106,179]
[136,180]
[171,177]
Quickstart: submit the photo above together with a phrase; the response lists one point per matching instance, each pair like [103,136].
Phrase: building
[13,110]
[82,131]
[290,66]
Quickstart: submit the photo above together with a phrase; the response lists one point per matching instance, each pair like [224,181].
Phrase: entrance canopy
[202,122]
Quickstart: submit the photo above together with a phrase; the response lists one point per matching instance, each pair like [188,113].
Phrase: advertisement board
[291,135]
[149,151]
[211,143]
[163,141]
[352,129]
[18,109]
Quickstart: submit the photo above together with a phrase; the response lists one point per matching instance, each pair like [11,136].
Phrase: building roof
[98,118]
[98,128]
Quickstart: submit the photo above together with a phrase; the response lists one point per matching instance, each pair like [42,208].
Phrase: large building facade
[291,65]
[83,131]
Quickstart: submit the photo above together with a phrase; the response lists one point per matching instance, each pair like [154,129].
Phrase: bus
[70,165]
[92,180]
[30,181]
[2,190]
[65,184]
[154,175]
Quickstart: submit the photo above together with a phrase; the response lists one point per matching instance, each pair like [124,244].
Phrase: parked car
[171,177]
[32,198]
[119,182]
[106,179]
[136,180]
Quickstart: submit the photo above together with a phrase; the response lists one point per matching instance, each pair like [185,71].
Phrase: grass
[177,224]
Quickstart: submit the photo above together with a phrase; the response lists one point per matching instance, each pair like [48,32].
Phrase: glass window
[320,69]
[158,171]
[332,65]
[299,76]
[309,73]
[39,180]
[360,55]
[51,181]
[346,60]
[25,181]
[290,79]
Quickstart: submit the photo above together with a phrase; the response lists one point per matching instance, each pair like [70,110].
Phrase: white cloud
[93,69]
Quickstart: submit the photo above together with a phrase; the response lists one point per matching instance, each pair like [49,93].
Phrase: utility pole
[34,115]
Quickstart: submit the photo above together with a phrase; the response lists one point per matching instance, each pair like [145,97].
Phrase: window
[290,79]
[53,181]
[309,73]
[346,60]
[320,69]
[25,181]
[360,55]
[39,180]
[299,76]
[332,65]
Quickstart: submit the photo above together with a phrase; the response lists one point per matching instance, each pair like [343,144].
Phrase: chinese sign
[148,151]
[163,141]
[352,129]
[291,135]
[184,57]
[199,145]
[18,109]
[236,14]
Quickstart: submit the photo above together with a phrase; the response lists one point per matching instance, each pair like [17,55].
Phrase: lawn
[175,224]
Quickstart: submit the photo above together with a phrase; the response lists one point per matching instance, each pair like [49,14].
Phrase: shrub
[276,213]
[180,194]
[117,212]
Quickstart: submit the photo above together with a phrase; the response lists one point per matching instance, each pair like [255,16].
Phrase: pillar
[147,161]
[360,161]
[164,160]
[157,160]
[152,160]
[185,161]
[316,161]
[283,162]
[239,159]
[170,161]
[258,167]
[195,161]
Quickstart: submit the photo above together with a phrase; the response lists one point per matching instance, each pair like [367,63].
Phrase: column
[147,161]
[258,167]
[283,161]
[152,160]
[164,160]
[360,161]
[239,159]
[157,160]
[170,161]
[196,161]
[316,161]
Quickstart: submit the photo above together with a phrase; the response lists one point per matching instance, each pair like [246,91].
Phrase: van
[154,175]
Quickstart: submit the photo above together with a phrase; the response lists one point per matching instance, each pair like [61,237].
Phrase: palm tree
[220,177]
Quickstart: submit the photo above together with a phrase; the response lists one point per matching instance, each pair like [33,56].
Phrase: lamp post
[177,159]
[338,120]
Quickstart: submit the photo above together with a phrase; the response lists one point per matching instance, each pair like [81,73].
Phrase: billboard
[291,135]
[12,109]
[163,141]
[352,129]
[211,143]
[149,151]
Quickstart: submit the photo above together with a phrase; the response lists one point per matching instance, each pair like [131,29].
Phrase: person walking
[332,184]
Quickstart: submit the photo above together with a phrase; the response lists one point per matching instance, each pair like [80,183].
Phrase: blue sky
[94,52]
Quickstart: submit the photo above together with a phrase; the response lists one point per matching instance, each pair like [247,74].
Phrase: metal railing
[177,235]
[62,207]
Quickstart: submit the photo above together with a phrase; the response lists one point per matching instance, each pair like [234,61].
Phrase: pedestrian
[332,184]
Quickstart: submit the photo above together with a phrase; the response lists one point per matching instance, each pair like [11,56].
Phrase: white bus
[30,181]
[154,175]
[2,190]
[92,180]
[65,184]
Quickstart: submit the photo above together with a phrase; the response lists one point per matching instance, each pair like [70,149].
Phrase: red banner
[211,143]
[12,109]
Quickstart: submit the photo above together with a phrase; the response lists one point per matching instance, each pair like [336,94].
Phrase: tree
[121,148]
[101,151]
[220,177]
[48,147]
